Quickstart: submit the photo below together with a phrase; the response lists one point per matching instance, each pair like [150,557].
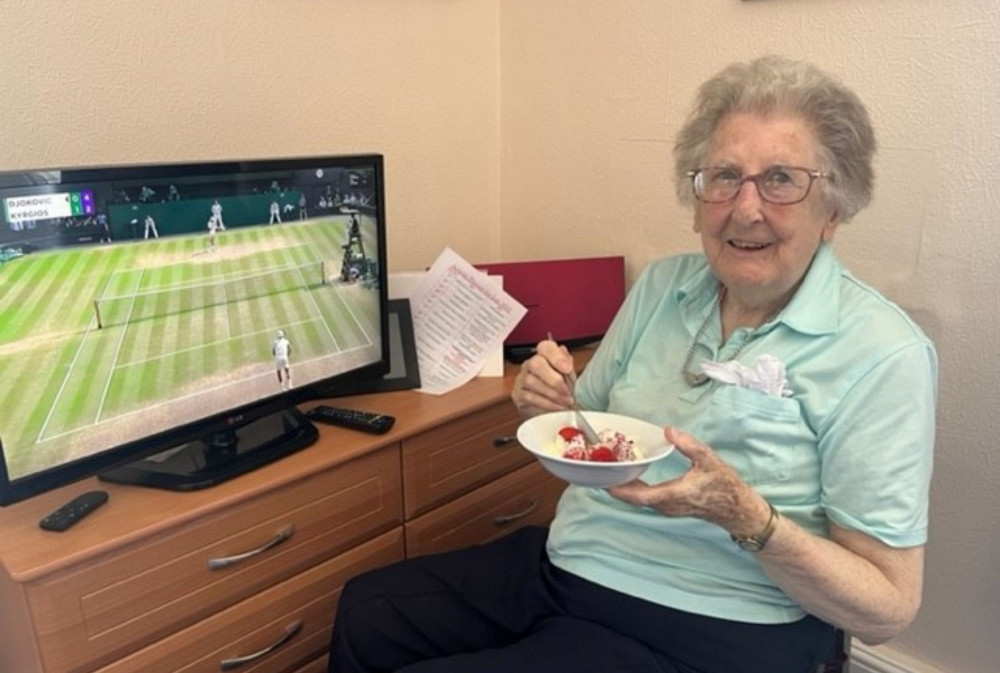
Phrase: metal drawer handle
[504,440]
[505,519]
[290,631]
[225,562]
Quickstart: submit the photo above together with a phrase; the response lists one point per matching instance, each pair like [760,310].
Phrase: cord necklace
[697,379]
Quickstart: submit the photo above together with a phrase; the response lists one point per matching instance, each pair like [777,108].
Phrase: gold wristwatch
[756,542]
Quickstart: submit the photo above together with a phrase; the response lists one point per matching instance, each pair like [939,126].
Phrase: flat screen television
[144,311]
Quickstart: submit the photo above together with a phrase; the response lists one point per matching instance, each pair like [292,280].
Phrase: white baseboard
[883,659]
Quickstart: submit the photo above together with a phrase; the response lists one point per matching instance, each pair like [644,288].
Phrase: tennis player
[213,226]
[281,350]
[217,214]
[150,227]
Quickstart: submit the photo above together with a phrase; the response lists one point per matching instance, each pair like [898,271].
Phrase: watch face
[750,544]
[757,542]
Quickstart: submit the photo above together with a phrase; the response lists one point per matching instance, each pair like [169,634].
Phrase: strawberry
[602,454]
[569,432]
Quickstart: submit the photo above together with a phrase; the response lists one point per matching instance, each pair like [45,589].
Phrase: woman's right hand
[541,385]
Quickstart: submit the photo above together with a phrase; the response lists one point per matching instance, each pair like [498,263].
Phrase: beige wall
[522,129]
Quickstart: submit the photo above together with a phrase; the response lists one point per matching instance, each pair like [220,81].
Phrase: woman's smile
[748,246]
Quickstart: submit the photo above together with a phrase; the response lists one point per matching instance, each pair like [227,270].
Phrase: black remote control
[365,421]
[74,510]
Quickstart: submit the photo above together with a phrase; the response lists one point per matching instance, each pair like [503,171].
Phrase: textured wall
[113,81]
[593,92]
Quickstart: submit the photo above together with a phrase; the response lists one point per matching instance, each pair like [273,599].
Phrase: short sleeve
[876,452]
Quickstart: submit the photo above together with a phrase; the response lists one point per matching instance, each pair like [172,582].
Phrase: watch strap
[757,542]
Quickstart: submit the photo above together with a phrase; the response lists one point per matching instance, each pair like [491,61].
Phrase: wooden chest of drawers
[525,497]
[248,572]
[453,459]
[135,596]
[281,626]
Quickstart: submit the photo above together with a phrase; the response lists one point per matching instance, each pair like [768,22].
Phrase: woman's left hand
[851,580]
[711,489]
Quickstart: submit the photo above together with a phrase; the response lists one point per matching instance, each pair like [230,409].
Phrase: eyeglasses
[780,185]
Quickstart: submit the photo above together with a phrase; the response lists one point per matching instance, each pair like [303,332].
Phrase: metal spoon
[581,421]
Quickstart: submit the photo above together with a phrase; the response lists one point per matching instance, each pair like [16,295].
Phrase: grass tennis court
[189,331]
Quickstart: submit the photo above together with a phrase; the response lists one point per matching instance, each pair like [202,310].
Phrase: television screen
[163,320]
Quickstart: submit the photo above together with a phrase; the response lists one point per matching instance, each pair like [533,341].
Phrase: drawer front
[459,456]
[286,626]
[140,594]
[525,497]
[315,666]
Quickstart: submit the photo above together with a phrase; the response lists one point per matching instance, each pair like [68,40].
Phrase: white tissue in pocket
[766,376]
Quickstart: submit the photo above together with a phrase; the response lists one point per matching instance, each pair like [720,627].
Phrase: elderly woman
[796,500]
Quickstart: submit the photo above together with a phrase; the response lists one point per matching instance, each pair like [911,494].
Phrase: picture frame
[404,370]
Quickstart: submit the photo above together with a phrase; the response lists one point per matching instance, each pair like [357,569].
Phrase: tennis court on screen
[179,324]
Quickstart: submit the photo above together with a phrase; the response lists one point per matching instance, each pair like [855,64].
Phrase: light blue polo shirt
[852,444]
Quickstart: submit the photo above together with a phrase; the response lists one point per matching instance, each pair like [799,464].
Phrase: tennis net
[222,290]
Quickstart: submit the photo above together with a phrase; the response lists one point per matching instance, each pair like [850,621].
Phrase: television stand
[220,455]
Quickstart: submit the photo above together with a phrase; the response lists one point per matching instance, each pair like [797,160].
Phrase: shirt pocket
[760,435]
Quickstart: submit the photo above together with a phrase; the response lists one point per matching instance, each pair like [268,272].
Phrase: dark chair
[842,656]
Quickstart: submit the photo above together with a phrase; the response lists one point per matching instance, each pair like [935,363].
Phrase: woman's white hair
[775,84]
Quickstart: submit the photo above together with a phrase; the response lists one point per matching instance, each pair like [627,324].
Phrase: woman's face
[760,251]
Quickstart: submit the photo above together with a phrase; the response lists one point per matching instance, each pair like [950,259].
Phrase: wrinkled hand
[711,489]
[540,386]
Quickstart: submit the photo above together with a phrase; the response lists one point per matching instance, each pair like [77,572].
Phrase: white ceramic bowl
[538,435]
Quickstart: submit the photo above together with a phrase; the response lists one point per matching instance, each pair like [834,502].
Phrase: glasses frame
[813,174]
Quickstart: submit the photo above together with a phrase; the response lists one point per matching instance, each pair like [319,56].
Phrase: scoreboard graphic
[37,207]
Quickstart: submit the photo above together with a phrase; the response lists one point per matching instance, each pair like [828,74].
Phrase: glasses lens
[781,184]
[715,185]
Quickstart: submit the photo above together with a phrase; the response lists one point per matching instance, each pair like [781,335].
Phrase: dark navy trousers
[503,608]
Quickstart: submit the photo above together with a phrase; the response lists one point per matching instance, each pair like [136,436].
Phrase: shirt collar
[696,296]
[815,308]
